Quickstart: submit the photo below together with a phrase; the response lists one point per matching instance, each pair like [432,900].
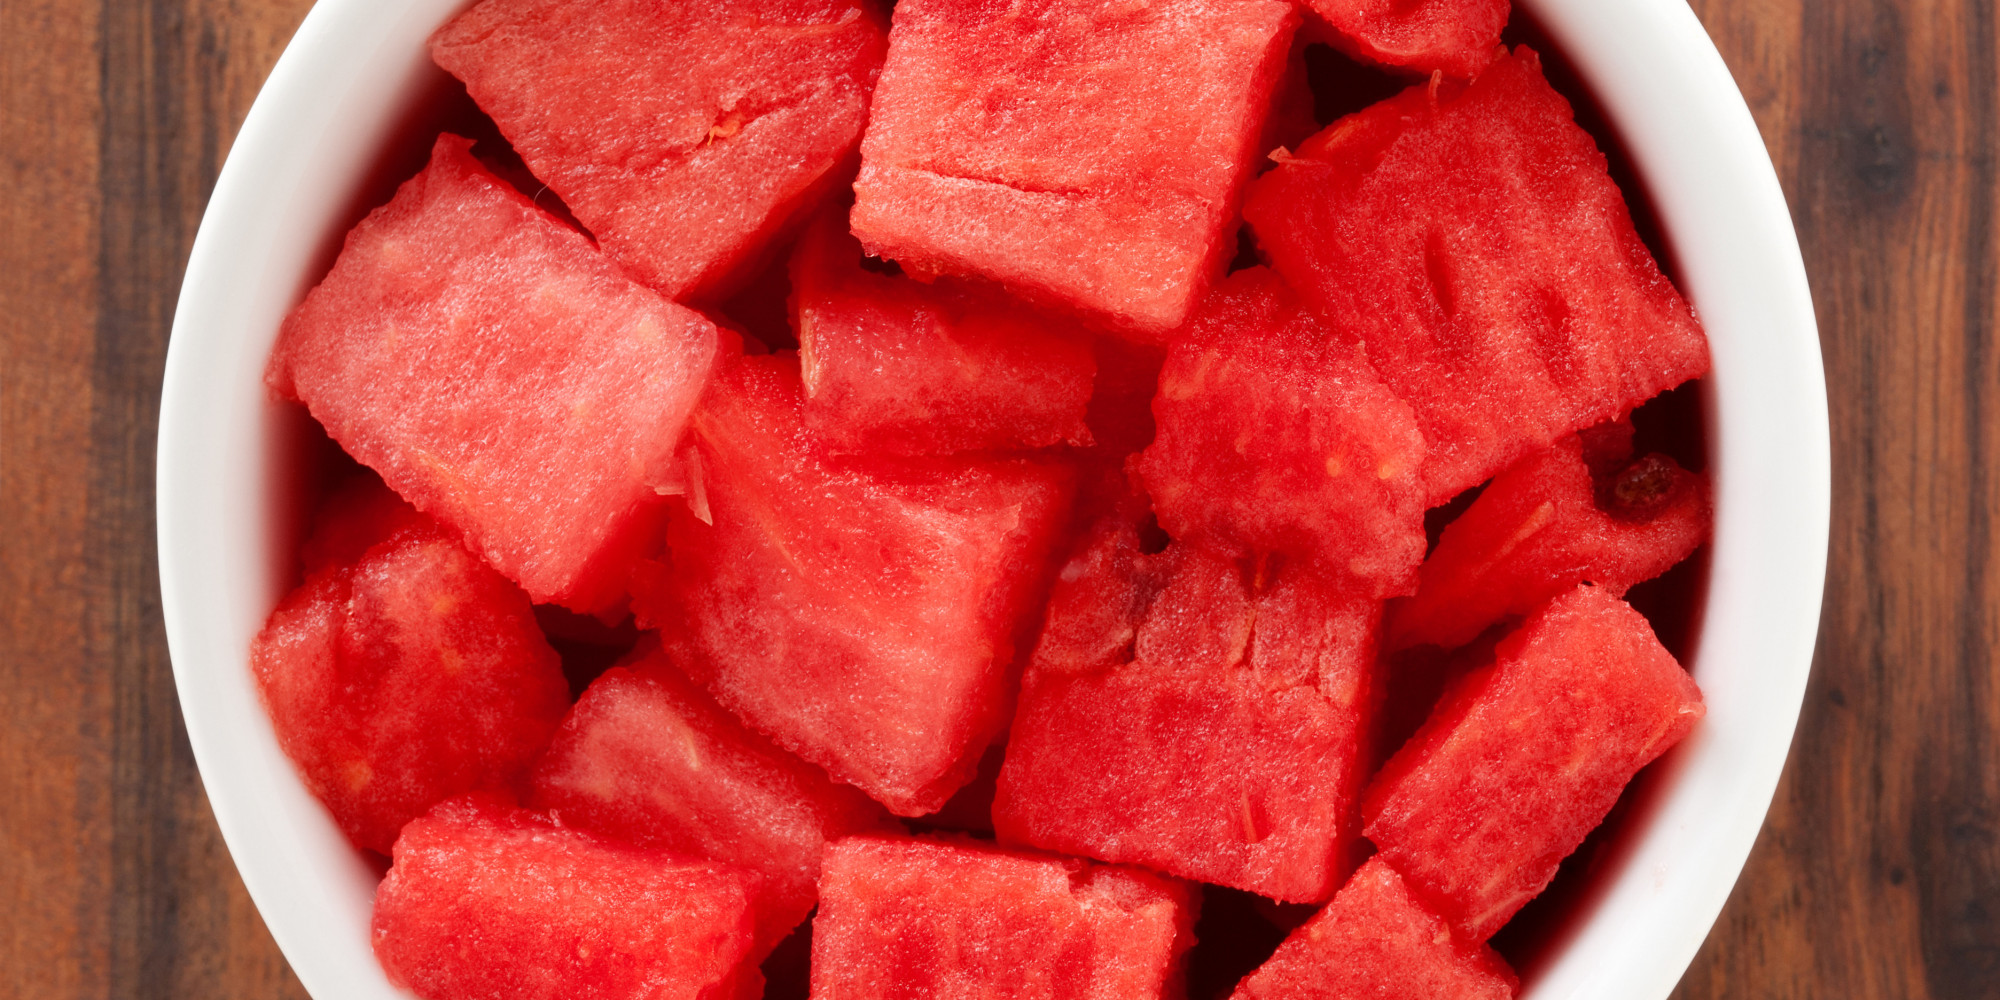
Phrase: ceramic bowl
[348,111]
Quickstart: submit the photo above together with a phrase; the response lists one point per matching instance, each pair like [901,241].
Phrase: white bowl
[356,81]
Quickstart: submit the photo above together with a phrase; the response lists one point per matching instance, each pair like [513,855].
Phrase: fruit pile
[1056,562]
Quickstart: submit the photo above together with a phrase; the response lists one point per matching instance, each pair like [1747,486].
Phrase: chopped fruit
[1471,237]
[1180,716]
[1521,759]
[1084,153]
[1292,119]
[893,366]
[961,920]
[1277,435]
[408,675]
[860,612]
[486,900]
[1546,525]
[1377,941]
[685,136]
[1455,37]
[501,375]
[360,513]
[646,757]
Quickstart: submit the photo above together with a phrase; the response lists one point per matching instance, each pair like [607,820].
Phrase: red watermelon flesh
[1545,525]
[1183,714]
[1085,154]
[1455,37]
[501,375]
[893,366]
[861,612]
[647,757]
[359,514]
[1378,941]
[904,918]
[1470,236]
[1275,434]
[1293,117]
[685,136]
[411,675]
[486,900]
[1522,759]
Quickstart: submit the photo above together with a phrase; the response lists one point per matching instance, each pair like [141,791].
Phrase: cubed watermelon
[487,901]
[1086,153]
[1545,525]
[501,375]
[685,136]
[862,612]
[1276,434]
[1377,941]
[1523,758]
[961,920]
[1455,37]
[1471,237]
[647,757]
[1120,416]
[360,513]
[408,675]
[1293,118]
[1186,715]
[893,366]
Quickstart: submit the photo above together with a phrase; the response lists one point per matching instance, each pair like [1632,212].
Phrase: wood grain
[115,119]
[1878,872]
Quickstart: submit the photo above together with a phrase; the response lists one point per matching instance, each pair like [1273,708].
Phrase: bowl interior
[349,112]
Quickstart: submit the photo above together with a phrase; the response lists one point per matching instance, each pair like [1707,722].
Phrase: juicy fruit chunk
[360,513]
[957,920]
[409,675]
[893,366]
[1522,759]
[501,374]
[1276,435]
[486,900]
[1180,716]
[1470,236]
[862,613]
[647,757]
[683,135]
[1087,154]
[1545,525]
[1455,37]
[1377,941]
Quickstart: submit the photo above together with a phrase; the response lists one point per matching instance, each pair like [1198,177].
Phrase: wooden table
[1878,873]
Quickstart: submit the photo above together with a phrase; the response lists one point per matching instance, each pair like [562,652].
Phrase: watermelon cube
[502,375]
[409,675]
[1545,525]
[360,513]
[647,757]
[485,900]
[685,136]
[1455,37]
[893,366]
[1470,236]
[963,920]
[1275,434]
[1120,416]
[1378,941]
[1524,757]
[1085,153]
[861,612]
[1186,715]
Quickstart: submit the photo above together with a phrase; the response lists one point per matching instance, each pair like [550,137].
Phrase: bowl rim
[329,104]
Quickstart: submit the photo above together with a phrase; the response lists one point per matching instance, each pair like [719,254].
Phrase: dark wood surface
[1878,871]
